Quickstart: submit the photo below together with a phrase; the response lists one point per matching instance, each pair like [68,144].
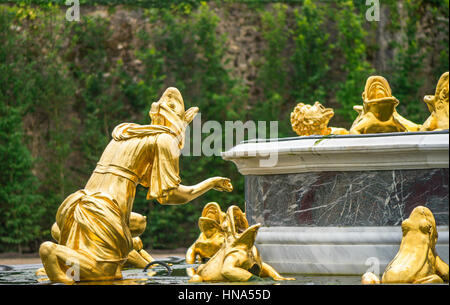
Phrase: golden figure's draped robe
[95,221]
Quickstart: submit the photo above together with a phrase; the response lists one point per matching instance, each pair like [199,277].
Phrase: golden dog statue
[438,106]
[416,261]
[309,120]
[95,224]
[237,260]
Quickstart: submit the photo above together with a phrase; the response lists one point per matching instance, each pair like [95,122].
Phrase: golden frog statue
[95,225]
[237,260]
[438,106]
[378,113]
[416,261]
[309,120]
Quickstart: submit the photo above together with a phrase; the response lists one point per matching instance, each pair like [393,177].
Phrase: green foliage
[20,206]
[275,32]
[312,54]
[351,44]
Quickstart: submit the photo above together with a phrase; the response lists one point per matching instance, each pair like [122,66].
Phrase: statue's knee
[46,249]
[55,232]
[137,224]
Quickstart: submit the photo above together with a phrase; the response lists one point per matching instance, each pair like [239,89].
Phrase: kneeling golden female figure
[93,224]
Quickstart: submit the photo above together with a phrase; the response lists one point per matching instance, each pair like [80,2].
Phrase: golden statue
[416,261]
[309,120]
[96,227]
[378,113]
[212,235]
[237,260]
[438,106]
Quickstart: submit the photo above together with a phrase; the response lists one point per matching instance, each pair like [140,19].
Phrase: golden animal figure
[237,260]
[416,261]
[309,120]
[438,106]
[378,113]
[95,224]
[212,234]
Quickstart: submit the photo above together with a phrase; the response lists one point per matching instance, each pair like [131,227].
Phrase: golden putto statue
[237,260]
[95,228]
[416,261]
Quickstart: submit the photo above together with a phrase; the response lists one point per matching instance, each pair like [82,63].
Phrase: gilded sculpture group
[96,228]
[378,113]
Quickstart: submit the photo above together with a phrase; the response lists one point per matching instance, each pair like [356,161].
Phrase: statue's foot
[281,278]
[369,278]
[196,279]
[41,272]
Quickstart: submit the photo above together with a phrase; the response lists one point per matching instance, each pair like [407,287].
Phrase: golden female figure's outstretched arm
[183,194]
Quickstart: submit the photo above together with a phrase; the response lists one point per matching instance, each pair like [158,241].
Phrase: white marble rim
[387,152]
[385,144]
[389,235]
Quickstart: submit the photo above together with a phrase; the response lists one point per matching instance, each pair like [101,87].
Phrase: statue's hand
[222,184]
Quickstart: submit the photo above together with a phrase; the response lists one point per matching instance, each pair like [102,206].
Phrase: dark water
[25,275]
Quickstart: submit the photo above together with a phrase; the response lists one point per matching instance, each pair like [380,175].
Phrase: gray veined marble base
[335,250]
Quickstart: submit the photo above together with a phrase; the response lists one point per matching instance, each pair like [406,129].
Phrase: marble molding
[411,150]
[335,250]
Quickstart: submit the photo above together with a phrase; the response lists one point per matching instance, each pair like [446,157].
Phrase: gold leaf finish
[97,232]
[416,261]
[438,106]
[237,260]
[309,120]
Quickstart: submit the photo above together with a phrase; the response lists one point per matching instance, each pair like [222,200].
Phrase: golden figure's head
[421,220]
[440,98]
[212,211]
[311,119]
[169,111]
[378,99]
[209,224]
[438,105]
[235,222]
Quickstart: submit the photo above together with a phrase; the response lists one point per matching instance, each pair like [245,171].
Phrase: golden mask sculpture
[212,235]
[95,224]
[309,120]
[416,261]
[378,113]
[438,106]
[237,260]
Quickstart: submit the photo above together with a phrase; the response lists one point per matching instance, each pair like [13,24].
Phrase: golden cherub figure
[378,113]
[237,260]
[309,120]
[416,261]
[95,224]
[438,106]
